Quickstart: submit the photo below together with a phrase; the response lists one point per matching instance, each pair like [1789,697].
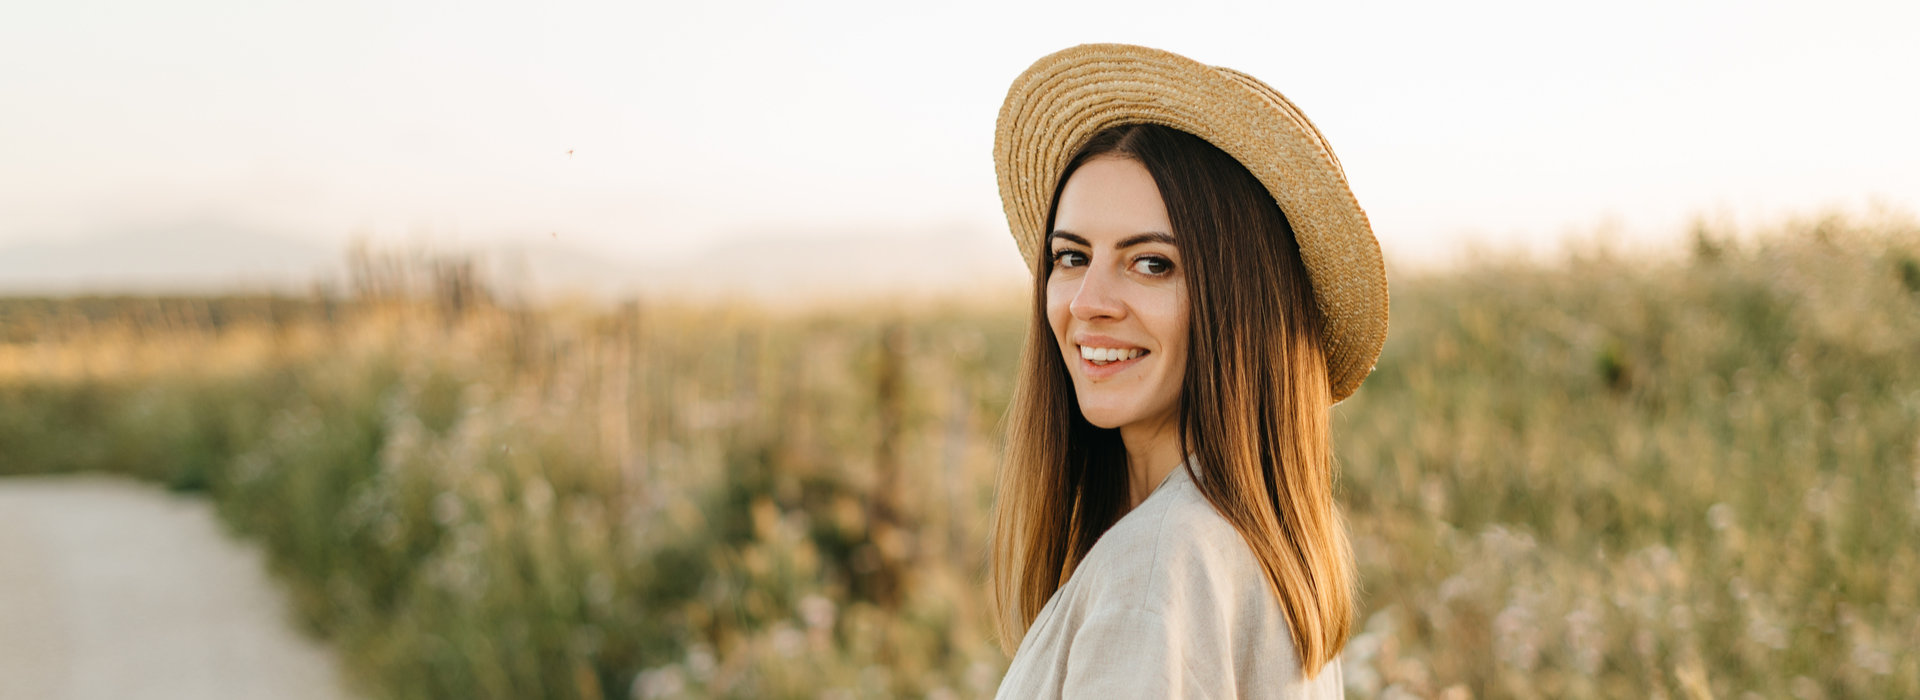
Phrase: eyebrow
[1128,242]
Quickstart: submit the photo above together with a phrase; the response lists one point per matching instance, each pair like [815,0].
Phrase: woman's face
[1117,295]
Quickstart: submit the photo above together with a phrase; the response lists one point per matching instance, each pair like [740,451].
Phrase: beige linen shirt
[1169,603]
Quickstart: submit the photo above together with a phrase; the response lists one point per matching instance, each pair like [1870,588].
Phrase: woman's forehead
[1108,199]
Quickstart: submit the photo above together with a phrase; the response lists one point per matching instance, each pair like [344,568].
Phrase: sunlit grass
[1609,476]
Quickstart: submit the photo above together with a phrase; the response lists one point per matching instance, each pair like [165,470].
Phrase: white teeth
[1110,354]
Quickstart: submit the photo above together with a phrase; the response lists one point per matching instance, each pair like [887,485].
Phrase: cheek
[1172,332]
[1059,308]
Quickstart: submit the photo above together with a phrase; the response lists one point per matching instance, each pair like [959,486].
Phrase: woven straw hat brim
[1065,98]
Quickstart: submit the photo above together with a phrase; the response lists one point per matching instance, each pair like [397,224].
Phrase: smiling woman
[1205,287]
[1117,304]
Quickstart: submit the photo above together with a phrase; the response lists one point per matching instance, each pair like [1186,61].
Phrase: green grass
[1608,476]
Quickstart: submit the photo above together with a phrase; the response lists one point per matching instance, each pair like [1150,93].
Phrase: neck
[1153,450]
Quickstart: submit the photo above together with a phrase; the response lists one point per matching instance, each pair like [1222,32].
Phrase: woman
[1205,288]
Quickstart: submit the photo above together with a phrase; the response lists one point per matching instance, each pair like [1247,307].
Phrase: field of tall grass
[1610,475]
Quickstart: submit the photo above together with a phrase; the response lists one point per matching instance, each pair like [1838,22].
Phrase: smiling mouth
[1101,357]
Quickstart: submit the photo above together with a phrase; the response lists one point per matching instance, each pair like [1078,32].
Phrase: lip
[1102,341]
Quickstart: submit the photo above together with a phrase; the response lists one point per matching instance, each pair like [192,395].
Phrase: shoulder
[1174,604]
[1171,553]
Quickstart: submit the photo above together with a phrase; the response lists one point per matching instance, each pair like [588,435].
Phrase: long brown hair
[1254,401]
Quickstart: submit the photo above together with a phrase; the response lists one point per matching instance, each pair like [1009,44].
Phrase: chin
[1107,419]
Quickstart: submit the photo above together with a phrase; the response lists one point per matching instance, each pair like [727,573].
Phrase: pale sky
[696,123]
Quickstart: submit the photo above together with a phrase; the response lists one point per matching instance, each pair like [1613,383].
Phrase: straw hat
[1067,97]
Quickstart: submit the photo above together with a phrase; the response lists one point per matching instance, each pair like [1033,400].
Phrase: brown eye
[1069,258]
[1153,265]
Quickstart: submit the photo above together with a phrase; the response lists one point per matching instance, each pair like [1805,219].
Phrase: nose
[1098,295]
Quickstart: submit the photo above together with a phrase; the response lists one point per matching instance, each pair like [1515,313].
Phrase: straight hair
[1254,401]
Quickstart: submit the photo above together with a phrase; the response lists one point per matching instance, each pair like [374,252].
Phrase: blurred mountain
[197,259]
[176,259]
[846,266]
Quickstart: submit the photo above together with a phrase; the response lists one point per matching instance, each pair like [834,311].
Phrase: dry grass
[1612,476]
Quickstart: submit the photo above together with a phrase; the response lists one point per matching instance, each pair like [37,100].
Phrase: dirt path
[111,588]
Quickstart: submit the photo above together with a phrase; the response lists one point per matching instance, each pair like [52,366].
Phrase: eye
[1153,265]
[1068,258]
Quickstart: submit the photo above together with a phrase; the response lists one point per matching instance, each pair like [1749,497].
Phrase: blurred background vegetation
[1610,475]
